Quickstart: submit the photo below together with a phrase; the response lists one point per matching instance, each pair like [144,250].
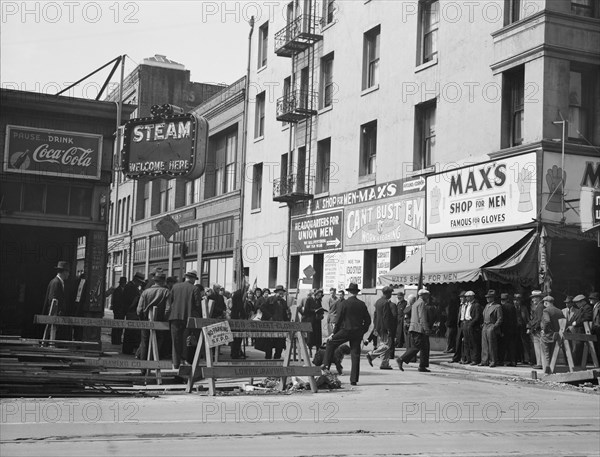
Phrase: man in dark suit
[353,322]
[583,313]
[459,343]
[119,308]
[57,290]
[507,346]
[238,311]
[184,301]
[385,322]
[275,309]
[131,295]
[549,330]
[421,324]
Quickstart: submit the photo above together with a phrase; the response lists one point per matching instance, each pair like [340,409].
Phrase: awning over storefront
[462,259]
[517,265]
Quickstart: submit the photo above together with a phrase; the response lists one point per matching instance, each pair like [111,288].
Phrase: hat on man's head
[595,295]
[217,287]
[280,288]
[503,296]
[469,293]
[62,266]
[159,274]
[266,290]
[517,296]
[569,299]
[548,298]
[536,293]
[490,293]
[400,293]
[318,291]
[123,280]
[423,292]
[579,297]
[387,290]
[462,293]
[192,274]
[353,287]
[332,289]
[139,276]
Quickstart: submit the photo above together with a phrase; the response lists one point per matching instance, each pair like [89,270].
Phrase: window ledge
[369,90]
[366,180]
[328,26]
[325,109]
[261,69]
[259,138]
[255,210]
[369,291]
[426,65]
[322,194]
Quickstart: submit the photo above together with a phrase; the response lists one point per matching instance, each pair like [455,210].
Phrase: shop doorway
[28,256]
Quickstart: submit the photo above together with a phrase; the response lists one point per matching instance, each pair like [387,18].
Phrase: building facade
[57,166]
[158,80]
[207,209]
[354,104]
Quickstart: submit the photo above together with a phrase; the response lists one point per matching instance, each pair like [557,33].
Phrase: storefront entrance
[28,256]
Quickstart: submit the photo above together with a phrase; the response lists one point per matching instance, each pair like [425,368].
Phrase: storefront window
[10,195]
[218,271]
[33,197]
[80,202]
[218,236]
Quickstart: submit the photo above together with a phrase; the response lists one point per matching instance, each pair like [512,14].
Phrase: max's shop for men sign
[481,197]
[52,152]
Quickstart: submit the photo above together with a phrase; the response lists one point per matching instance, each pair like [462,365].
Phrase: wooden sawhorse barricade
[563,340]
[152,362]
[244,368]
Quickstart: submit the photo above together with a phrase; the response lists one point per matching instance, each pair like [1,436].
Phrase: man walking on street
[184,302]
[333,309]
[492,320]
[420,329]
[400,306]
[385,324]
[353,322]
[155,297]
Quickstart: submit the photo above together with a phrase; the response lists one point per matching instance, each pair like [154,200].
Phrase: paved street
[448,412]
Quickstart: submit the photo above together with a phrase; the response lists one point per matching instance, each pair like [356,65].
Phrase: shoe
[424,370]
[537,367]
[482,365]
[451,361]
[493,365]
[399,362]
[473,363]
[511,364]
[352,383]
[369,359]
[386,367]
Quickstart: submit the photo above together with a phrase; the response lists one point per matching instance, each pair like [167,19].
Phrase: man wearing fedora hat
[131,296]
[58,290]
[492,320]
[421,324]
[385,325]
[550,328]
[155,297]
[534,326]
[119,309]
[583,313]
[353,322]
[184,301]
[274,309]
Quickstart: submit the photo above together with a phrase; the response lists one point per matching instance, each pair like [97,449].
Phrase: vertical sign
[383,263]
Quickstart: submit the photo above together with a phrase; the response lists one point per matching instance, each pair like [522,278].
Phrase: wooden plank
[260,334]
[573,377]
[129,364]
[253,326]
[97,322]
[252,371]
[34,342]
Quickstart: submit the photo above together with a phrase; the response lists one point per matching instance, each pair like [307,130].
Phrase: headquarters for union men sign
[166,146]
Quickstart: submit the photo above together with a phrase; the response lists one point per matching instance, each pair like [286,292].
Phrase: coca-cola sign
[52,152]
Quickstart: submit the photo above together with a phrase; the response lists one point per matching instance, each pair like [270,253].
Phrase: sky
[46,46]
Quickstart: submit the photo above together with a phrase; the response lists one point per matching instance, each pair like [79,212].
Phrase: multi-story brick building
[356,103]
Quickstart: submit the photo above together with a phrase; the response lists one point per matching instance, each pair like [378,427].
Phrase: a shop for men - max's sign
[486,196]
[165,146]
[52,152]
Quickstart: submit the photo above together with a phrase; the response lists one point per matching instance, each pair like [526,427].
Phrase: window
[139,250]
[326,81]
[263,43]
[283,173]
[368,148]
[147,206]
[583,83]
[301,175]
[328,12]
[57,199]
[429,22]
[323,168]
[218,236]
[272,272]
[257,176]
[318,263]
[166,195]
[159,248]
[397,255]
[513,107]
[192,191]
[512,11]
[259,121]
[127,217]
[424,134]
[304,89]
[371,58]
[190,236]
[370,268]
[587,8]
[221,164]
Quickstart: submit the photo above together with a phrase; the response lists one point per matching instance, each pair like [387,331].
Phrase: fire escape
[300,101]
